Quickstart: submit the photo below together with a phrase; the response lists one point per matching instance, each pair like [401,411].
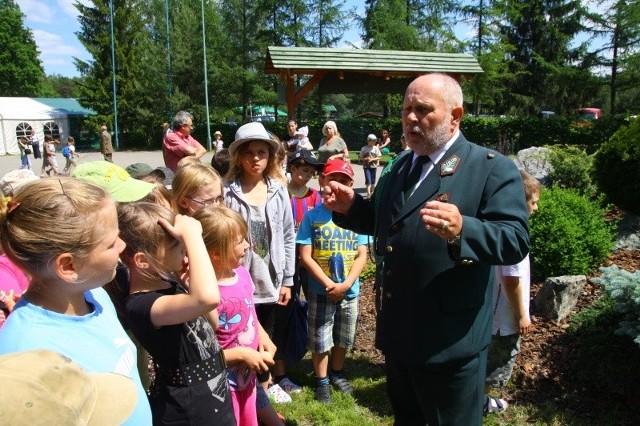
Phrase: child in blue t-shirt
[334,258]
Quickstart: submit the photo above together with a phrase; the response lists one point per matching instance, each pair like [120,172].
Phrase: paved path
[153,158]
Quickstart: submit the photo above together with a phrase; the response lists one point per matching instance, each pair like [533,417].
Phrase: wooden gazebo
[359,70]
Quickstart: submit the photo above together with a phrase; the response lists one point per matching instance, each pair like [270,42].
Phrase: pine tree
[21,72]
[137,89]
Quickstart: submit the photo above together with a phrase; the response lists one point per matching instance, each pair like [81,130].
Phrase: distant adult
[35,144]
[441,217]
[291,138]
[385,141]
[105,144]
[179,143]
[332,146]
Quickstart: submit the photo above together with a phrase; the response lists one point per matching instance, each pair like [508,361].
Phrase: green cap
[120,185]
[137,170]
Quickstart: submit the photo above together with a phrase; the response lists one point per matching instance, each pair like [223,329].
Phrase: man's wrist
[455,241]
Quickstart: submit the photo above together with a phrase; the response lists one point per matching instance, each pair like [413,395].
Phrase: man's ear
[66,268]
[456,116]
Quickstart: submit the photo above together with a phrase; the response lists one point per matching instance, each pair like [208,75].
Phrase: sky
[55,22]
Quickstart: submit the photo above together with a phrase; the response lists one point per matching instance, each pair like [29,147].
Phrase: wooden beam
[294,98]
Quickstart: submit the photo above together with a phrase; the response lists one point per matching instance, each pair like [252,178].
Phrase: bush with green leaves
[617,168]
[572,168]
[624,288]
[569,234]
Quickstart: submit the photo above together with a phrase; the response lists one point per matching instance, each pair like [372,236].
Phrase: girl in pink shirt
[247,347]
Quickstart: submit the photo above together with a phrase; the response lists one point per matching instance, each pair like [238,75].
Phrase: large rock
[628,233]
[534,161]
[558,296]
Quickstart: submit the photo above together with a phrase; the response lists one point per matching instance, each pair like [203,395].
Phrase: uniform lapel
[434,182]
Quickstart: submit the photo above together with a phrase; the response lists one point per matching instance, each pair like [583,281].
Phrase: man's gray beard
[432,140]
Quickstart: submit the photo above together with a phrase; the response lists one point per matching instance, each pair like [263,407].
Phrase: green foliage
[572,169]
[541,33]
[617,168]
[368,272]
[21,72]
[569,235]
[623,287]
[63,87]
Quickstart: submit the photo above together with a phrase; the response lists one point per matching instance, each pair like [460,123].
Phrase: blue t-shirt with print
[334,248]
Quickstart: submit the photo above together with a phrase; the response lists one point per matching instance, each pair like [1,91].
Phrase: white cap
[372,137]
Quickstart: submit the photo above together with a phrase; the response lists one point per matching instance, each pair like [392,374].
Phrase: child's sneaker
[495,405]
[278,395]
[323,394]
[289,386]
[341,383]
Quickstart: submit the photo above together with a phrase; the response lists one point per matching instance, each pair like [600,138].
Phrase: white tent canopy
[19,115]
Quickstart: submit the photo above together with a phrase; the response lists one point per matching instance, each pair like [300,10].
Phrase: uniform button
[395,227]
[389,249]
[388,272]
[388,294]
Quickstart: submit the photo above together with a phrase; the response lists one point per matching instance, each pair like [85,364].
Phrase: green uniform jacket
[434,298]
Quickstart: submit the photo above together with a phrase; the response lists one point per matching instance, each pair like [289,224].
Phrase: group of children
[50,161]
[200,277]
[201,280]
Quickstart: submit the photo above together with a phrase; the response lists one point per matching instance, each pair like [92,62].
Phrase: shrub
[617,168]
[624,288]
[569,235]
[572,168]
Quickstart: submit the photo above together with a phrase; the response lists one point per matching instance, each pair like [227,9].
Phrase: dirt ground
[548,355]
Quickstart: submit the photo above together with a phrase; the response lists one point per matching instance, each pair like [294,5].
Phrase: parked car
[589,113]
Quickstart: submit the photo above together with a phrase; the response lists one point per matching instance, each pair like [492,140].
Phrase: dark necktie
[414,175]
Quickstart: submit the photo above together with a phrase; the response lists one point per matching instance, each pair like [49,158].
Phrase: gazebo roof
[339,70]
[308,60]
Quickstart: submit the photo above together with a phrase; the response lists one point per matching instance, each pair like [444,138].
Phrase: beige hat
[13,180]
[253,131]
[46,388]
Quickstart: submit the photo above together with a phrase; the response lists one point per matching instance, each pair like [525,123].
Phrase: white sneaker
[278,395]
[289,386]
[495,405]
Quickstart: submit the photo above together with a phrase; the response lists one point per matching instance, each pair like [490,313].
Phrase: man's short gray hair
[181,118]
[452,91]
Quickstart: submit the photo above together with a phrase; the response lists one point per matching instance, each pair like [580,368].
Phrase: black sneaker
[341,384]
[323,394]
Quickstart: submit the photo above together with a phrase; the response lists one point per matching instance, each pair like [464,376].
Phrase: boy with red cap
[334,258]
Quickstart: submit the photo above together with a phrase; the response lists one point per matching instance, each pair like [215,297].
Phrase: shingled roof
[336,70]
[307,60]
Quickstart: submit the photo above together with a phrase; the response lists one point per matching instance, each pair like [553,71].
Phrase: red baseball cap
[337,165]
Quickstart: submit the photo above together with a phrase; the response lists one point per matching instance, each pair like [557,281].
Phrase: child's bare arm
[266,344]
[338,292]
[312,266]
[513,290]
[249,357]
[203,295]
